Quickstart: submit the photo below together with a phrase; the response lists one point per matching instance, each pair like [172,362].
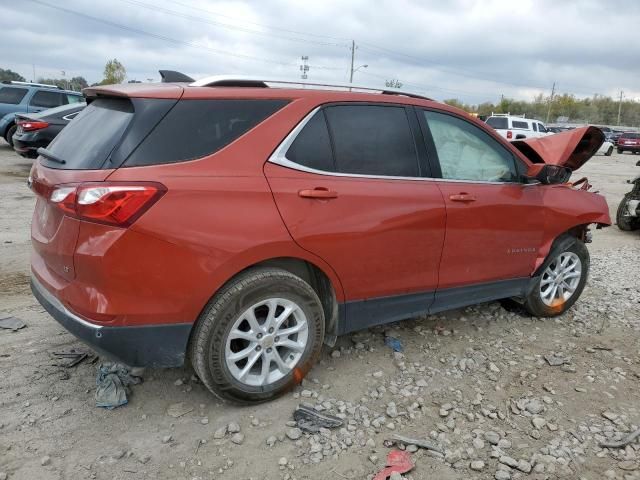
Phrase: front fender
[569,210]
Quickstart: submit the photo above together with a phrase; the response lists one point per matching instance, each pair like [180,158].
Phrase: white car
[605,149]
[517,127]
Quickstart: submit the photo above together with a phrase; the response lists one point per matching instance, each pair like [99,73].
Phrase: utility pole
[353,57]
[620,106]
[304,68]
[553,90]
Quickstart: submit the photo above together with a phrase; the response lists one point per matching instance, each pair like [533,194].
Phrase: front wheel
[259,336]
[609,152]
[561,282]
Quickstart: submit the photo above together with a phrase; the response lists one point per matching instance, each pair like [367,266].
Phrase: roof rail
[30,84]
[245,81]
[508,114]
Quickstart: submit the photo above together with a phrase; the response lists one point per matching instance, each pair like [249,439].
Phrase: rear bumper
[140,346]
[628,148]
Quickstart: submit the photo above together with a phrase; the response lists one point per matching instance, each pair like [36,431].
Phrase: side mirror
[549,174]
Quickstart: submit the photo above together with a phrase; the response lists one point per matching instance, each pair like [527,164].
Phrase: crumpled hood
[569,149]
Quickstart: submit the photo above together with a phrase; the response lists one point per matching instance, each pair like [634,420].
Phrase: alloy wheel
[560,279]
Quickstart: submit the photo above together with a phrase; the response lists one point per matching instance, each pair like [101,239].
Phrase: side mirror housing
[549,174]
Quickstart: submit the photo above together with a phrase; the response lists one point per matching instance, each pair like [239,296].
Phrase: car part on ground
[628,213]
[244,225]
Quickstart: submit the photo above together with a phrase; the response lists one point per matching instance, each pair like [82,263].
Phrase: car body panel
[570,149]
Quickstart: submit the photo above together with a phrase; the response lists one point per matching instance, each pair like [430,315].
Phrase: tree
[9,75]
[114,72]
[393,83]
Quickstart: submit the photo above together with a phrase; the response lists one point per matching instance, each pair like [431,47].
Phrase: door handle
[462,197]
[318,192]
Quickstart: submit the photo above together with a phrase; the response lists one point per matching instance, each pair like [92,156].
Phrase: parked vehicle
[606,148]
[629,142]
[241,224]
[24,97]
[628,214]
[37,130]
[615,136]
[517,127]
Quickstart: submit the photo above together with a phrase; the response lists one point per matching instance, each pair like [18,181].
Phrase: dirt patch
[15,283]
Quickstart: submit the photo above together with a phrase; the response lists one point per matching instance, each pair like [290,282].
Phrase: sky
[475,51]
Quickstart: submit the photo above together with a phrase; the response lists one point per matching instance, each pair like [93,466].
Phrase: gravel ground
[478,383]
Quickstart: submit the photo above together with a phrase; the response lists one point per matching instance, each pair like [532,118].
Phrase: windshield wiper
[47,154]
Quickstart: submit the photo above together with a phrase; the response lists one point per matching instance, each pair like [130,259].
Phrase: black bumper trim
[145,346]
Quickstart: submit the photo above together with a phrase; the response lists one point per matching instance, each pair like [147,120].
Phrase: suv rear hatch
[88,150]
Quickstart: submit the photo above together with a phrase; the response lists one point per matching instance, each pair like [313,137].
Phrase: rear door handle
[318,192]
[462,197]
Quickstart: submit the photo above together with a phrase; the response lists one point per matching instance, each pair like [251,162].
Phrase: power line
[214,23]
[164,37]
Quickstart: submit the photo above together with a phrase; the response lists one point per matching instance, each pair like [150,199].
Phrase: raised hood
[569,149]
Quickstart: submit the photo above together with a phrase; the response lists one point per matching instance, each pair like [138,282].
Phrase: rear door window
[520,124]
[499,123]
[466,152]
[372,140]
[87,142]
[48,99]
[535,128]
[12,95]
[197,128]
[312,146]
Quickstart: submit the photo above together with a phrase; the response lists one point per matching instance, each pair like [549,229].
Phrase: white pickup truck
[517,127]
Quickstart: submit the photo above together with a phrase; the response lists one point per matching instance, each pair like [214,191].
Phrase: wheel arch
[557,243]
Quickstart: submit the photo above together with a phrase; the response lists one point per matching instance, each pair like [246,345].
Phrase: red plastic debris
[397,461]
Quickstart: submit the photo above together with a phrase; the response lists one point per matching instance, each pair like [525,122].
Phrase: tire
[626,223]
[9,135]
[216,336]
[609,152]
[573,250]
[620,151]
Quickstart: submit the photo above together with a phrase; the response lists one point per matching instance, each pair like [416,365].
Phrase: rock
[478,443]
[555,360]
[271,441]
[294,433]
[504,443]
[179,409]
[178,382]
[395,476]
[283,461]
[538,422]
[144,459]
[3,476]
[378,374]
[167,439]
[476,465]
[233,427]
[220,433]
[511,462]
[534,406]
[237,438]
[502,475]
[628,465]
[392,410]
[492,437]
[46,460]
[335,354]
[204,421]
[524,466]
[494,368]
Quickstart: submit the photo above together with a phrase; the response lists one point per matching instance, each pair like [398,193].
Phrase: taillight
[111,203]
[29,126]
[509,134]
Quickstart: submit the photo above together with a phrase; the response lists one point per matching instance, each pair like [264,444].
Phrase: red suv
[629,142]
[241,225]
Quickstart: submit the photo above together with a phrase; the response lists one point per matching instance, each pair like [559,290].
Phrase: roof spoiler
[171,76]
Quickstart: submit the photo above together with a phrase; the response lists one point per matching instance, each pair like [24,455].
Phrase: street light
[355,70]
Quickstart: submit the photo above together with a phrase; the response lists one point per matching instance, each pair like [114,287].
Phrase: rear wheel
[9,134]
[619,150]
[609,151]
[259,336]
[625,222]
[561,282]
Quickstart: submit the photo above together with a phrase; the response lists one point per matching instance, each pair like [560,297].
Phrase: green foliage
[114,72]
[10,75]
[76,83]
[393,83]
[598,110]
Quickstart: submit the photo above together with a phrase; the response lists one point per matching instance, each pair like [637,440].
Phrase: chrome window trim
[72,115]
[279,157]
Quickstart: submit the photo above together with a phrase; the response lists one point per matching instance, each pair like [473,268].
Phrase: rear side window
[87,142]
[196,128]
[500,123]
[312,146]
[519,124]
[12,95]
[46,99]
[372,140]
[535,127]
[74,98]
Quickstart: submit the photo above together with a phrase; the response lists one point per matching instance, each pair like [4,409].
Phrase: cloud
[472,50]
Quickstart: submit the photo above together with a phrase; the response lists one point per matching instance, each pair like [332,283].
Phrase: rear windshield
[501,123]
[12,95]
[196,128]
[87,142]
[630,135]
